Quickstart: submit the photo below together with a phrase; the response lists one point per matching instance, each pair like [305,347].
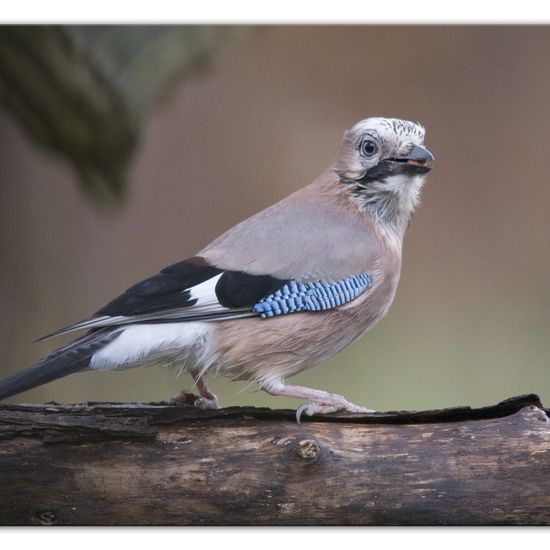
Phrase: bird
[280,292]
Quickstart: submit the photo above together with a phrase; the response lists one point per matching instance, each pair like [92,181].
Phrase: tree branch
[159,464]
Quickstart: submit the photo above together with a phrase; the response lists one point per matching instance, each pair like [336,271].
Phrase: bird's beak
[418,160]
[420,155]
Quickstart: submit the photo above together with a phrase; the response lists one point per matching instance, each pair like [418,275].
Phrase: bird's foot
[319,401]
[340,405]
[207,399]
[190,399]
[204,403]
[183,398]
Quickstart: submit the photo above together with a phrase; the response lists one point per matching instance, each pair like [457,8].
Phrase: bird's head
[383,163]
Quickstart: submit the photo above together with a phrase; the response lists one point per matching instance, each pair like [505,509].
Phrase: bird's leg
[319,401]
[207,399]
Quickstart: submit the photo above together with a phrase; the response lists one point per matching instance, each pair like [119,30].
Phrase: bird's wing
[193,290]
[190,290]
[310,252]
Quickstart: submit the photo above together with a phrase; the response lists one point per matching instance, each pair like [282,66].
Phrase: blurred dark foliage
[84,91]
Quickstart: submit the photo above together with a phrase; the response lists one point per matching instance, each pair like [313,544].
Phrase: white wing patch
[205,292]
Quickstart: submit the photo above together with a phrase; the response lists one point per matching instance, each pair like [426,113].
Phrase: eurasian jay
[280,292]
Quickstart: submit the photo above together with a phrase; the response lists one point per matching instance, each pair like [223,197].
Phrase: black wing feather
[171,289]
[236,289]
[167,290]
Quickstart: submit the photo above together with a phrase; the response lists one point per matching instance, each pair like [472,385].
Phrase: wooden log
[159,464]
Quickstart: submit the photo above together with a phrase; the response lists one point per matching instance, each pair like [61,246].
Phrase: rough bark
[156,464]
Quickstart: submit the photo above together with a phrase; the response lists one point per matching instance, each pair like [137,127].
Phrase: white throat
[393,200]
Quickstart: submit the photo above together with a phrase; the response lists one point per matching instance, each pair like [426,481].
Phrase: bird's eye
[369,148]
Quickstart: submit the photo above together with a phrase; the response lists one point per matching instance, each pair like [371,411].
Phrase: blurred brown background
[470,323]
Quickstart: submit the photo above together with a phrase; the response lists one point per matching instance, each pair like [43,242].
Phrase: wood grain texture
[156,464]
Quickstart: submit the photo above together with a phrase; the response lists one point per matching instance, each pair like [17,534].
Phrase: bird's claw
[309,409]
[183,398]
[203,403]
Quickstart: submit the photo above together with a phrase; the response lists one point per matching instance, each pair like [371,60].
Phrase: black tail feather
[67,360]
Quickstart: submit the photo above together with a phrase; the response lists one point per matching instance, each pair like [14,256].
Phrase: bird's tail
[62,362]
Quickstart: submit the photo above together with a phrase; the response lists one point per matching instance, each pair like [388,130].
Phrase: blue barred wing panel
[317,296]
